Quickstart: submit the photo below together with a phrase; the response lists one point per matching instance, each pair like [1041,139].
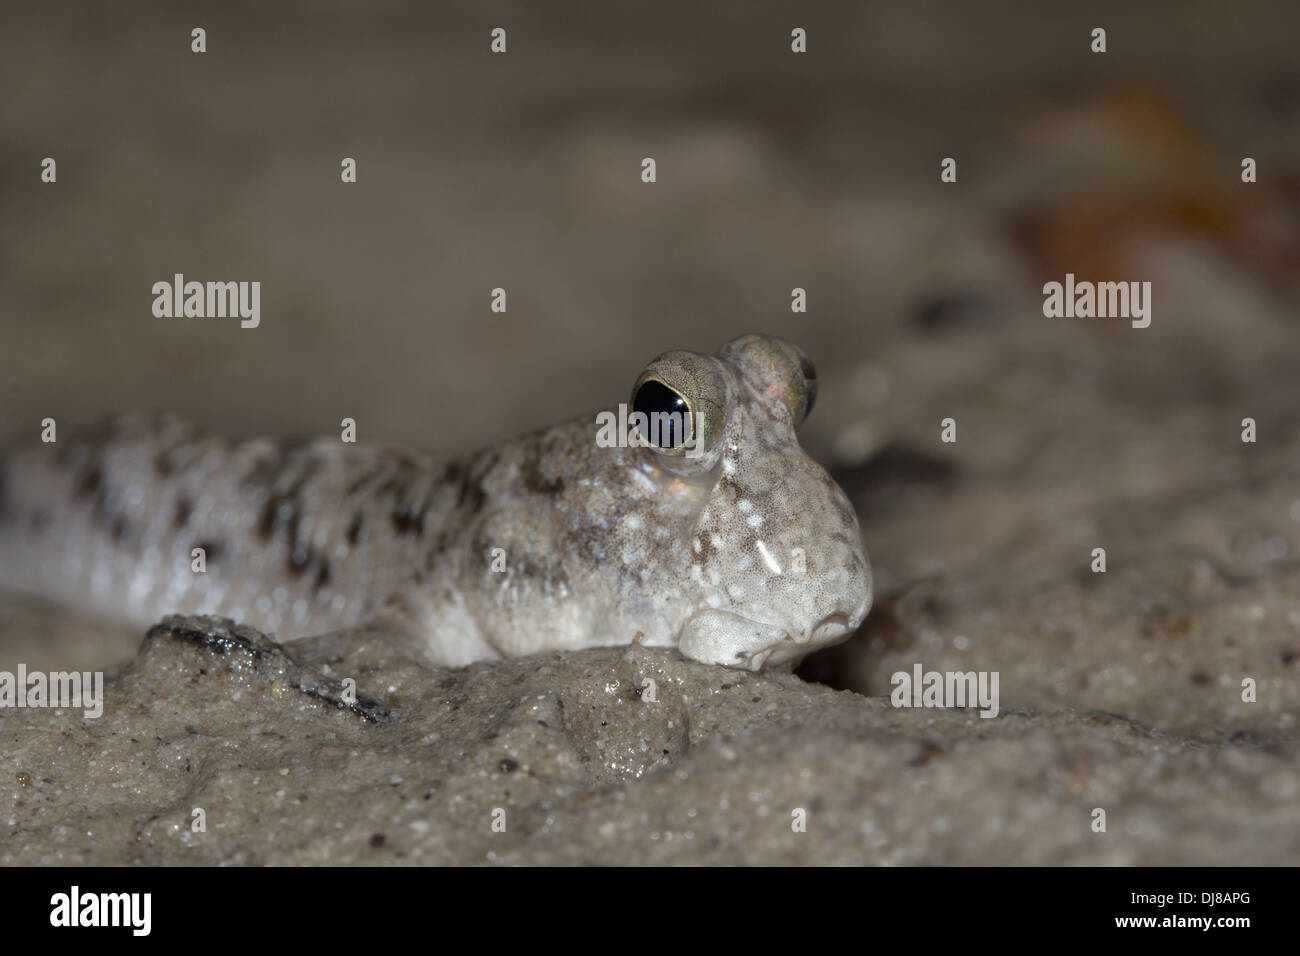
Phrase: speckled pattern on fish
[744,554]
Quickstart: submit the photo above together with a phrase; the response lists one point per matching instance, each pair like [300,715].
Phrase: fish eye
[659,403]
[809,373]
[681,398]
[779,370]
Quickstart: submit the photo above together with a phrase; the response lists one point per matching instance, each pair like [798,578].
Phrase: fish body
[739,550]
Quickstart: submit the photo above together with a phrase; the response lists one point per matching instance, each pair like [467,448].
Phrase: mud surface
[566,760]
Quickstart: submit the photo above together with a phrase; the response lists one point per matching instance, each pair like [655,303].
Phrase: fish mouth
[715,636]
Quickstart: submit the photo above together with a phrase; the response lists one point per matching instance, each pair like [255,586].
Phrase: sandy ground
[574,765]
[1119,690]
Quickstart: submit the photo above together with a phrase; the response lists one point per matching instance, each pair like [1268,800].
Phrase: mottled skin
[747,556]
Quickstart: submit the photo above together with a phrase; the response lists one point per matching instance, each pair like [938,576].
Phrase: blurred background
[775,171]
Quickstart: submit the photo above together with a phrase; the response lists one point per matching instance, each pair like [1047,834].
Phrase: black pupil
[657,399]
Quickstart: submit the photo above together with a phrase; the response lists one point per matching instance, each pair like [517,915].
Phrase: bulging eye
[664,408]
[779,370]
[681,398]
